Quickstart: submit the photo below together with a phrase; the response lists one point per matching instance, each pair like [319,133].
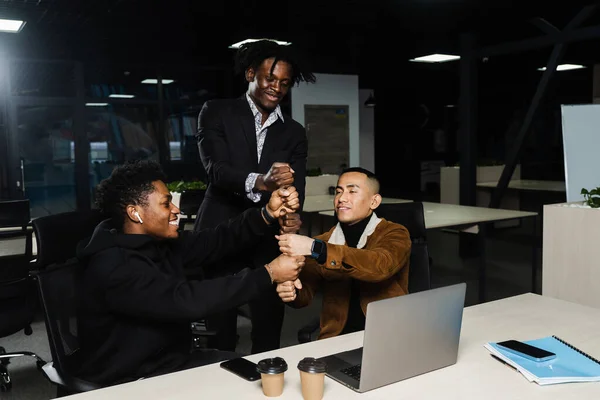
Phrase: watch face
[318,247]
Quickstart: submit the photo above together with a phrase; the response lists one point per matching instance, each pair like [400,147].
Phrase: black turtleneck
[356,318]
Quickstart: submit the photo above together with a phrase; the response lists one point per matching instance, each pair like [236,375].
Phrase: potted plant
[192,187]
[570,249]
[591,197]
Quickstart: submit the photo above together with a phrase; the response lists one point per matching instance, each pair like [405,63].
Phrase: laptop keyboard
[353,371]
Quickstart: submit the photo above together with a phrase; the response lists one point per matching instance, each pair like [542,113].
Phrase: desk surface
[476,375]
[324,202]
[527,184]
[438,215]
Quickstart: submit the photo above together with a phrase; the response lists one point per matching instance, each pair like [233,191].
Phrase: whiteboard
[581,143]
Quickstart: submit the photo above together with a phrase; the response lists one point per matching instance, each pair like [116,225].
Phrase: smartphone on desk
[242,368]
[525,350]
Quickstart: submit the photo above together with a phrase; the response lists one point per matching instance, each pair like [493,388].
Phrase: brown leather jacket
[381,266]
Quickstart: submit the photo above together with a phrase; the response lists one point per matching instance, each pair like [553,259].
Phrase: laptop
[404,336]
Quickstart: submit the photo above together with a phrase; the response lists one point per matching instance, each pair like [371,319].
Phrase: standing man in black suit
[249,148]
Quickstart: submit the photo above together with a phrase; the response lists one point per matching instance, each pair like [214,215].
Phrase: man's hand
[283,201]
[279,175]
[295,245]
[285,268]
[290,223]
[287,290]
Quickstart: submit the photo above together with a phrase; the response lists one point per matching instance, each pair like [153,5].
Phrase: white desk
[324,202]
[439,215]
[476,375]
[528,184]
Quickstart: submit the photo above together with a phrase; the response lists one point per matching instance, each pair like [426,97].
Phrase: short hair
[130,183]
[372,178]
[252,55]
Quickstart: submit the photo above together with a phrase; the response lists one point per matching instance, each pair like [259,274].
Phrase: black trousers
[266,316]
[266,311]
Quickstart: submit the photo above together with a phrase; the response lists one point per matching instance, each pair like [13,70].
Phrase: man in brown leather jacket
[362,259]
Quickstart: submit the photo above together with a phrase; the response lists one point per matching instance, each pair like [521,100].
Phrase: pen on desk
[503,362]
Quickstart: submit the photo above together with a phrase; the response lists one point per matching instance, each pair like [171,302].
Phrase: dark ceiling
[351,36]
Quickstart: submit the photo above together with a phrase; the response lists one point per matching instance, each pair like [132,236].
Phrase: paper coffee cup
[312,376]
[272,373]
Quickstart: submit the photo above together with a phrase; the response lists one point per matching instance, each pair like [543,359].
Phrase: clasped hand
[295,245]
[283,201]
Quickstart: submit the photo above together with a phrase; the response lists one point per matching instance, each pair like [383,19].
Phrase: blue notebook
[570,364]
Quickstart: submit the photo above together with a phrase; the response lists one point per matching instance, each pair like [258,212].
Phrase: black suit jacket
[227,145]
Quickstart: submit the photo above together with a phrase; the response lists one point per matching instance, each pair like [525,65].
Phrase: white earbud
[138,217]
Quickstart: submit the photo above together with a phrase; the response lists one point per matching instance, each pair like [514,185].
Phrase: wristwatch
[317,248]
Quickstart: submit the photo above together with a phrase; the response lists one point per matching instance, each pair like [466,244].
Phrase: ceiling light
[11,25]
[435,58]
[238,44]
[564,67]
[96,104]
[155,81]
[122,96]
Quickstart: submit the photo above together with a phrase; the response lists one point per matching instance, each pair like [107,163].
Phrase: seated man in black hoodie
[136,304]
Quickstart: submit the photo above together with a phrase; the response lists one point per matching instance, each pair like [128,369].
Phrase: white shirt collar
[255,109]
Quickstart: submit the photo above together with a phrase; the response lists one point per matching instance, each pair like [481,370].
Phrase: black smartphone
[242,368]
[526,350]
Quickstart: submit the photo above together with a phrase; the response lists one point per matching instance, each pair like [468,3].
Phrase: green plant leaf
[181,186]
[594,192]
[584,191]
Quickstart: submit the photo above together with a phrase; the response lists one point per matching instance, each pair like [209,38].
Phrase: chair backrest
[57,235]
[411,216]
[190,201]
[58,289]
[14,213]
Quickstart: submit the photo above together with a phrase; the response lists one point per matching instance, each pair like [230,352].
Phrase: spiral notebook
[570,365]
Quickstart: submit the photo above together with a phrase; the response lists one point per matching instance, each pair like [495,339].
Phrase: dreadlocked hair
[128,184]
[252,55]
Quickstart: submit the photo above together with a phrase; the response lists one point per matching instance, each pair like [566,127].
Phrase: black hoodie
[137,305]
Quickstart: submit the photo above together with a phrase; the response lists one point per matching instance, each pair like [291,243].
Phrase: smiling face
[355,198]
[267,88]
[159,216]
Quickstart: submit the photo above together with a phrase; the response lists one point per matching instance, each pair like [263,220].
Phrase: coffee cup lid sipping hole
[312,365]
[275,365]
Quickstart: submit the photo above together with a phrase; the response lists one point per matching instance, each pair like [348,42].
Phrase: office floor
[509,255]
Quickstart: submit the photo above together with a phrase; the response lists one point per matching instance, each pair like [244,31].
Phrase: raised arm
[238,233]
[387,255]
[135,290]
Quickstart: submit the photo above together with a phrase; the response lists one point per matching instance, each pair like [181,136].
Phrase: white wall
[581,144]
[366,117]
[332,90]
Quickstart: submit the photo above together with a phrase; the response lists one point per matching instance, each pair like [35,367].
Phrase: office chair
[57,288]
[189,204]
[57,235]
[411,216]
[17,300]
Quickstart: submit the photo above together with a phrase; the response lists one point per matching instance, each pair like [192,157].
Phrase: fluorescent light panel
[238,44]
[11,25]
[96,104]
[122,96]
[564,67]
[154,81]
[435,58]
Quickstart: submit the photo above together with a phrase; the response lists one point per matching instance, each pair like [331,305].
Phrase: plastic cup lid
[275,365]
[312,365]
